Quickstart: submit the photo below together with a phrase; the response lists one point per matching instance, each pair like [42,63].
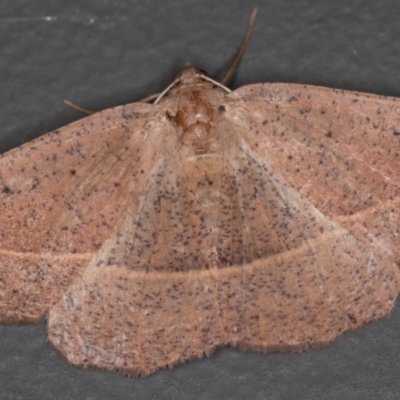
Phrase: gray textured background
[103,53]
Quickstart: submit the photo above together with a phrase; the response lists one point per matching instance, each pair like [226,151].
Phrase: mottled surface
[264,218]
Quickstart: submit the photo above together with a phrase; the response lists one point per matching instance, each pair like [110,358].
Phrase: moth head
[189,75]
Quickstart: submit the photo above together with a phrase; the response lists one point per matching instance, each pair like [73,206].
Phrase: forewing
[61,196]
[339,149]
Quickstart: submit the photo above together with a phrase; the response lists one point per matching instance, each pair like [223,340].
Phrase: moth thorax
[195,117]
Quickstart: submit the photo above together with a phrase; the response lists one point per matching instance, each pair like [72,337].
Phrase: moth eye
[221,108]
[170,116]
[204,72]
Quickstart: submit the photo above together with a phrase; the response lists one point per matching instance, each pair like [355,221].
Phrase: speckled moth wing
[339,149]
[60,196]
[154,233]
[222,251]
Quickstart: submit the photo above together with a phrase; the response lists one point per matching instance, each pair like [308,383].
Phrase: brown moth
[148,234]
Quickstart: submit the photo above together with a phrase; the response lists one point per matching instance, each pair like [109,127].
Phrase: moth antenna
[176,81]
[79,108]
[150,98]
[241,48]
[227,74]
[206,78]
[164,92]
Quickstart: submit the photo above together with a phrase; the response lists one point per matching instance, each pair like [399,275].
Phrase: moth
[148,234]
